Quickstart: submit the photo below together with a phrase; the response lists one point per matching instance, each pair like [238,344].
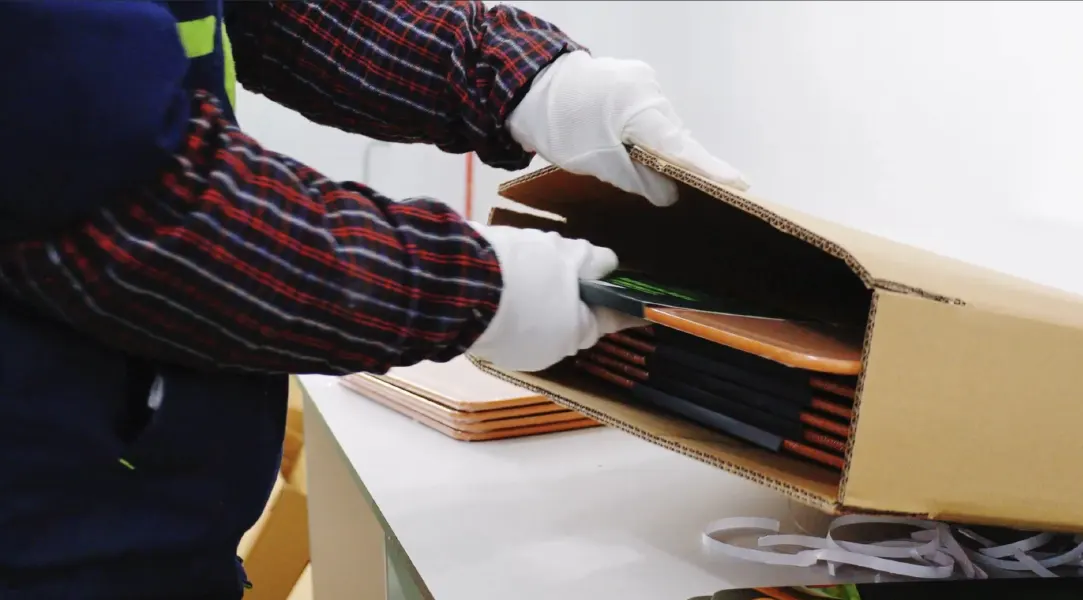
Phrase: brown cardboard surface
[968,405]
[302,590]
[299,477]
[248,541]
[280,553]
[989,430]
[294,438]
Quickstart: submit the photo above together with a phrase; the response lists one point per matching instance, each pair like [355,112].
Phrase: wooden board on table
[397,398]
[460,385]
[497,434]
[440,411]
[477,432]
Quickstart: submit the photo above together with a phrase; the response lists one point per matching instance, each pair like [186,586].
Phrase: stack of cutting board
[460,401]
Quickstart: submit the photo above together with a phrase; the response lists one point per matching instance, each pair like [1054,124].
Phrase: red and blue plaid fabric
[238,257]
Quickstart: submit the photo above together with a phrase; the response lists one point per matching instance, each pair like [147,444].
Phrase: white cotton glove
[540,319]
[581,110]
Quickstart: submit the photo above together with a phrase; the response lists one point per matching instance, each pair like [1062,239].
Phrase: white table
[589,514]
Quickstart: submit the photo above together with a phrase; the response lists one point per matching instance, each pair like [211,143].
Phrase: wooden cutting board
[460,385]
[476,421]
[441,411]
[791,343]
[472,431]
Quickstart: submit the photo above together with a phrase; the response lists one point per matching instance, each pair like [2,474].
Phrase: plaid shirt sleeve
[437,72]
[241,258]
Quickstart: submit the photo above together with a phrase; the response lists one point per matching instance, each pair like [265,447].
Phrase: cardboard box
[295,437]
[276,550]
[970,403]
[302,590]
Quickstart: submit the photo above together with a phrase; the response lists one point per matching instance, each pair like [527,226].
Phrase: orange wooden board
[460,385]
[440,411]
[372,387]
[791,343]
[508,432]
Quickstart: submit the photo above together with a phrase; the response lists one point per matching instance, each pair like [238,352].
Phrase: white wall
[956,126]
[399,171]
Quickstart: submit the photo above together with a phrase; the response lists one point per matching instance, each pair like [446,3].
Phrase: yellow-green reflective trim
[197,36]
[230,69]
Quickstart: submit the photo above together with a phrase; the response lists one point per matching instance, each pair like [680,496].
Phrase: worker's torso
[102,497]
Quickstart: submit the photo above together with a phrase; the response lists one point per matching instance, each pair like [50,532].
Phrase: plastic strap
[825,550]
[931,552]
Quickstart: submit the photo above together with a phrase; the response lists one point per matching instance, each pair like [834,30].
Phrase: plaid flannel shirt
[239,257]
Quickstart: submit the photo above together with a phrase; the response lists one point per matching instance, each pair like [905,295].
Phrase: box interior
[691,244]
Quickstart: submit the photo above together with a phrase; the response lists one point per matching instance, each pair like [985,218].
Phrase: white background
[953,126]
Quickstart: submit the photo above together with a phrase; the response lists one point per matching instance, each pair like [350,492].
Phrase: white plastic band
[931,552]
[824,550]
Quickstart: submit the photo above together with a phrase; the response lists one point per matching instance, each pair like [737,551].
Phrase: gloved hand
[540,319]
[581,110]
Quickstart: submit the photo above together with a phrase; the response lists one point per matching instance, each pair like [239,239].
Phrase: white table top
[589,514]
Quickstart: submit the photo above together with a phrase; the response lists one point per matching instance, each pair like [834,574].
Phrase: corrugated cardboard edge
[791,491]
[859,389]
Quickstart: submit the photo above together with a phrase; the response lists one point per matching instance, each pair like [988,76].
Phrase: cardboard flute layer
[968,407]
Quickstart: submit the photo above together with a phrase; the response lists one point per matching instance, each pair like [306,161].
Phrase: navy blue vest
[102,497]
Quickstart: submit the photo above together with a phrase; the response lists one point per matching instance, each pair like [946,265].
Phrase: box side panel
[971,415]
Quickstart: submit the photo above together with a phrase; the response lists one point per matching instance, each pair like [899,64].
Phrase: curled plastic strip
[1026,554]
[931,552]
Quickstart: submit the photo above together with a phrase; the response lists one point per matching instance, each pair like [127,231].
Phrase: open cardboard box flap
[969,406]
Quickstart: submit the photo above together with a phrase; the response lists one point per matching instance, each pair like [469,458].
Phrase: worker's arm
[238,257]
[136,212]
[444,73]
